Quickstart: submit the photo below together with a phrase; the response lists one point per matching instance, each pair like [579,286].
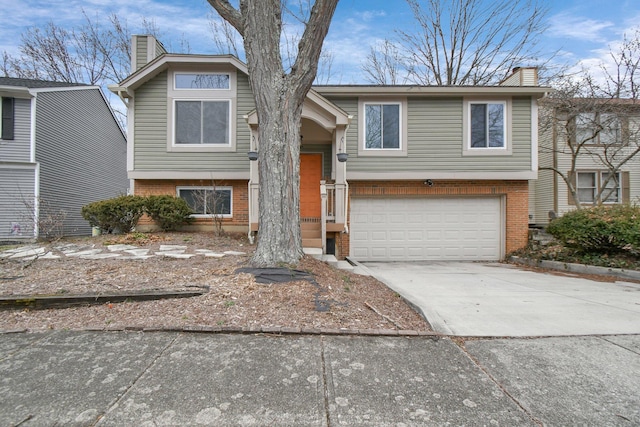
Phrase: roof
[418,90]
[34,84]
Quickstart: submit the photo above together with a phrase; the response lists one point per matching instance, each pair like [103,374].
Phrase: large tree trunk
[279,240]
[279,97]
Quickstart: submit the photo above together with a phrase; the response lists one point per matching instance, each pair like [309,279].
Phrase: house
[594,144]
[431,172]
[60,148]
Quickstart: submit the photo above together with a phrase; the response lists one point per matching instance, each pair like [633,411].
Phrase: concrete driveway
[494,299]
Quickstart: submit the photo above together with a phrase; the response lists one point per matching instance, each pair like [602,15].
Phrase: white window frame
[203,95]
[401,151]
[202,101]
[209,188]
[599,179]
[467,149]
[176,74]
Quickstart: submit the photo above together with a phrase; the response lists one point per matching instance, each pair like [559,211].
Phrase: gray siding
[435,139]
[17,187]
[18,149]
[150,140]
[81,151]
[141,52]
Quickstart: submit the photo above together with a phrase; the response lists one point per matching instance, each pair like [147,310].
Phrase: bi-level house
[595,144]
[60,148]
[387,172]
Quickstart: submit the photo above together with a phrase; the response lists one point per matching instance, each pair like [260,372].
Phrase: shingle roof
[34,84]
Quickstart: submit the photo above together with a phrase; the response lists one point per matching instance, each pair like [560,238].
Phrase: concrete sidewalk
[499,300]
[163,378]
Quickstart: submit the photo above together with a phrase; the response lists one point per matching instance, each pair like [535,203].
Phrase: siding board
[18,149]
[17,186]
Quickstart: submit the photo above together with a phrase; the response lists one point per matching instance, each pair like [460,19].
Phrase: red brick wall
[516,194]
[240,203]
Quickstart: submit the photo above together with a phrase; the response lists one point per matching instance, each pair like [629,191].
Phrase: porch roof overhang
[316,108]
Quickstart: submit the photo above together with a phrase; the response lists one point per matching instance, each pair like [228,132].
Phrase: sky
[580,31]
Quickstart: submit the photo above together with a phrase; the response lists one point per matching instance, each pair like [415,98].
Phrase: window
[382,126]
[487,127]
[202,81]
[597,128]
[588,186]
[202,122]
[8,114]
[208,201]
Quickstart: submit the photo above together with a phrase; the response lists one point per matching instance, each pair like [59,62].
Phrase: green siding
[150,143]
[141,52]
[435,139]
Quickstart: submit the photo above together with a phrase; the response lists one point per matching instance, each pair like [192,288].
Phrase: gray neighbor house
[61,147]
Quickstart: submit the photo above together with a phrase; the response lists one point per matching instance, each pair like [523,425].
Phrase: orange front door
[310,176]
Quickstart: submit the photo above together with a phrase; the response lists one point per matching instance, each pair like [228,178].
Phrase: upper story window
[202,111]
[383,128]
[202,81]
[202,122]
[7,111]
[597,129]
[486,127]
[590,184]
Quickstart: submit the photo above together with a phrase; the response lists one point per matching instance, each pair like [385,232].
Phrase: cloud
[577,27]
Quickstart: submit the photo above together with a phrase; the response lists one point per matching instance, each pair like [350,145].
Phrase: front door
[310,176]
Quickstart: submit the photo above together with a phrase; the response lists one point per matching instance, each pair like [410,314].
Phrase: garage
[401,229]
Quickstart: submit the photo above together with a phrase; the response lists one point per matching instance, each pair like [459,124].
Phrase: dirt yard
[334,300]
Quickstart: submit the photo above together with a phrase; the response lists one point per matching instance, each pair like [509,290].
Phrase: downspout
[32,159]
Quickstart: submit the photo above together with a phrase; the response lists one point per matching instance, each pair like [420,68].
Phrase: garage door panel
[426,229]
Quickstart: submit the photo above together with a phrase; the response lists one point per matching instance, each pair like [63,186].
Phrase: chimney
[522,76]
[144,49]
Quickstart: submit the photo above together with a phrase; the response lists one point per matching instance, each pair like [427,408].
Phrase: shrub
[601,229]
[168,212]
[120,214]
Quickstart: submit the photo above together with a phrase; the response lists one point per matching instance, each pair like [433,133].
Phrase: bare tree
[384,65]
[594,121]
[463,42]
[279,96]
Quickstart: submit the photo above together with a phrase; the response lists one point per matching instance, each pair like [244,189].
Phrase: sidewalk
[163,378]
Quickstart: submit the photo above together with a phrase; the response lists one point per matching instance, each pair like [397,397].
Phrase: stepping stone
[84,253]
[213,255]
[234,253]
[175,255]
[99,256]
[172,248]
[137,252]
[50,255]
[32,252]
[141,257]
[114,248]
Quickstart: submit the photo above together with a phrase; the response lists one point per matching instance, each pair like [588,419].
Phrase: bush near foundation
[117,215]
[600,230]
[168,212]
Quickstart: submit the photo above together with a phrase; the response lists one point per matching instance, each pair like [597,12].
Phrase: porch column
[340,168]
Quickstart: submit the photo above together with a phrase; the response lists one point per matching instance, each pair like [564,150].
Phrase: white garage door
[426,229]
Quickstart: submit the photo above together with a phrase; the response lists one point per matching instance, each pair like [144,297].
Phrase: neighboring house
[433,173]
[585,140]
[60,148]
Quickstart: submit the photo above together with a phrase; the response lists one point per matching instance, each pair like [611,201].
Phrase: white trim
[433,175]
[212,188]
[32,130]
[131,116]
[175,74]
[36,202]
[403,128]
[534,136]
[229,146]
[467,150]
[168,174]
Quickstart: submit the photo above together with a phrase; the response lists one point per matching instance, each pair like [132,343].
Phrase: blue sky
[581,30]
